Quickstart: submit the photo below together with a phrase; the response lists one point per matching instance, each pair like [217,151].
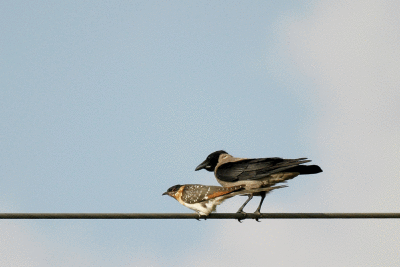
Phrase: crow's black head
[211,161]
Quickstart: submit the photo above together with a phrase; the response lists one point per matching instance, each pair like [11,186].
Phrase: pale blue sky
[105,105]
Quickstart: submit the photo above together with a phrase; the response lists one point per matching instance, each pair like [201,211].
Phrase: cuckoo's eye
[174,188]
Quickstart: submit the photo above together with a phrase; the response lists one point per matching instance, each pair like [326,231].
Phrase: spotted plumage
[194,193]
[202,198]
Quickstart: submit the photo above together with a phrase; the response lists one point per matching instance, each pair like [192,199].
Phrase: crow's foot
[257,212]
[244,215]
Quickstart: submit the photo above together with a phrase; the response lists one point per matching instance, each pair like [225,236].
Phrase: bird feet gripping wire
[257,212]
[202,217]
[244,215]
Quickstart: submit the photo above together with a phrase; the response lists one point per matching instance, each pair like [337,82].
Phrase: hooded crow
[255,173]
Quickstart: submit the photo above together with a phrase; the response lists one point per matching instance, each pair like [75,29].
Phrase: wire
[196,216]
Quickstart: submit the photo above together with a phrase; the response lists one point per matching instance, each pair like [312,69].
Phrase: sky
[104,106]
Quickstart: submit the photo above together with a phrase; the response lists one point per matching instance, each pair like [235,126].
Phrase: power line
[195,216]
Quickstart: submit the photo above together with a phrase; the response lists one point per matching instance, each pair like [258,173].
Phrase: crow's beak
[203,165]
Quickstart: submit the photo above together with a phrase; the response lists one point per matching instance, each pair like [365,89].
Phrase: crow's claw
[244,216]
[257,212]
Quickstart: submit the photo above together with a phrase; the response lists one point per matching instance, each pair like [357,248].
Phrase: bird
[204,198]
[257,173]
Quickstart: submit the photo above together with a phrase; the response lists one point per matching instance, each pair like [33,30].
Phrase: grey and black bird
[204,198]
[257,173]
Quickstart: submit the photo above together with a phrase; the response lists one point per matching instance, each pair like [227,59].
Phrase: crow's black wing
[254,169]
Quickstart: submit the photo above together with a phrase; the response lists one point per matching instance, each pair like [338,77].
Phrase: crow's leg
[240,210]
[262,194]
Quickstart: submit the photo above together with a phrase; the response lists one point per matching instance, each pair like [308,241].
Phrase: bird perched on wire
[204,198]
[255,173]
